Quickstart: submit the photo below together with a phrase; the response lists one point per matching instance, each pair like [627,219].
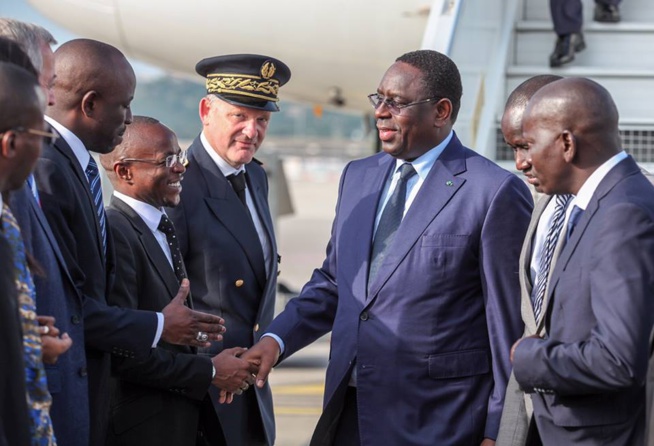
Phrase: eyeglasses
[377,100]
[48,138]
[170,161]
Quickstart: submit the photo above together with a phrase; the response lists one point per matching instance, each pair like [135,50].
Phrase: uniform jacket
[431,338]
[225,265]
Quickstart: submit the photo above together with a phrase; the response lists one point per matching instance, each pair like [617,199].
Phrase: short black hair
[440,74]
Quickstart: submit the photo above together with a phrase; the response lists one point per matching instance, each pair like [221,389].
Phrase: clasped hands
[258,361]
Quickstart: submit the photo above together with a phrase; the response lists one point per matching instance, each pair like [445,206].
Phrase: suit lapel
[229,210]
[525,266]
[261,204]
[437,190]
[157,258]
[40,217]
[363,214]
[624,168]
[62,146]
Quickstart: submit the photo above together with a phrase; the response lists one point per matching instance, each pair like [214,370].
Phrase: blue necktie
[547,254]
[572,221]
[93,176]
[390,221]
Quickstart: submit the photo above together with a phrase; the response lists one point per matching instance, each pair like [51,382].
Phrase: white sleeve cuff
[160,325]
[276,338]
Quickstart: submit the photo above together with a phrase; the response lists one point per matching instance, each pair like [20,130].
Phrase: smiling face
[234,132]
[150,180]
[411,132]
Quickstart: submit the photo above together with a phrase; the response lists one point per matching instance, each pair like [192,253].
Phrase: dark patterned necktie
[238,184]
[390,221]
[166,226]
[547,254]
[93,176]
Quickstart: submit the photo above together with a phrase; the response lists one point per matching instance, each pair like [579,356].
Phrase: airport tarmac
[298,383]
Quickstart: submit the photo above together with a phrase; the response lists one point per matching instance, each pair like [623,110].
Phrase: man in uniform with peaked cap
[224,225]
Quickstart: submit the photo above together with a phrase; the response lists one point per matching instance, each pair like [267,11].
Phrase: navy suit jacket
[68,206]
[431,338]
[156,400]
[590,371]
[56,295]
[225,265]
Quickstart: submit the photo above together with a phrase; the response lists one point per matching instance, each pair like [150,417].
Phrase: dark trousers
[339,423]
[567,15]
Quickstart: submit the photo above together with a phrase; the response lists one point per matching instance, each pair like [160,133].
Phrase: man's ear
[443,113]
[123,171]
[204,108]
[89,103]
[8,144]
[569,146]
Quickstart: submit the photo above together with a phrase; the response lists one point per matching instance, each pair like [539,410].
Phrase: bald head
[571,125]
[517,103]
[138,166]
[137,137]
[93,90]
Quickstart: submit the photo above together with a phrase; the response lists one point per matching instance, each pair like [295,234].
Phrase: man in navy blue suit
[420,284]
[587,377]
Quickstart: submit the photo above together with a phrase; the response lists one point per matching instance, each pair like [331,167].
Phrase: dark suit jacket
[68,206]
[56,295]
[590,371]
[14,418]
[225,265]
[157,400]
[649,420]
[431,338]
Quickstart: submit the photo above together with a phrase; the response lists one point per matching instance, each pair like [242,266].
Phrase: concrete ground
[298,383]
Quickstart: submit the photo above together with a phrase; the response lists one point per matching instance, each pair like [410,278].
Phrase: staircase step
[630,10]
[628,46]
[632,90]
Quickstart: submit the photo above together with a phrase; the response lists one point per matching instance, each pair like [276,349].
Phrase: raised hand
[188,327]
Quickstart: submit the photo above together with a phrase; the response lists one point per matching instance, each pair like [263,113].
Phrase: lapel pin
[449,183]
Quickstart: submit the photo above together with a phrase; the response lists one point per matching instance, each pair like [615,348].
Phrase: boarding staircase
[497,44]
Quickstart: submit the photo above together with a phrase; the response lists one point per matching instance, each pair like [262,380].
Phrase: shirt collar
[224,167]
[150,214]
[426,161]
[77,146]
[589,187]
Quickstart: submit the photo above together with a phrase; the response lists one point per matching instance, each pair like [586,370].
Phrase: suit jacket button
[75,319]
[83,372]
[364,316]
[239,283]
[256,327]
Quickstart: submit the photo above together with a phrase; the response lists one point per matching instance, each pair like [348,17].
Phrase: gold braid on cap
[244,85]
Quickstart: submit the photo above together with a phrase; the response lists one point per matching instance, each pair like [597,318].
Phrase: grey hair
[29,36]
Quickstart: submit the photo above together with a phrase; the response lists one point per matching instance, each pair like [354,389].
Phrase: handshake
[238,368]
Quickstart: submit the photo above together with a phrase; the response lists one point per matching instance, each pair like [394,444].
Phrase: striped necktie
[547,254]
[93,175]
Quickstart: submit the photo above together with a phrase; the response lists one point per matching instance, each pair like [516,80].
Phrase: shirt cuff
[276,338]
[160,325]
